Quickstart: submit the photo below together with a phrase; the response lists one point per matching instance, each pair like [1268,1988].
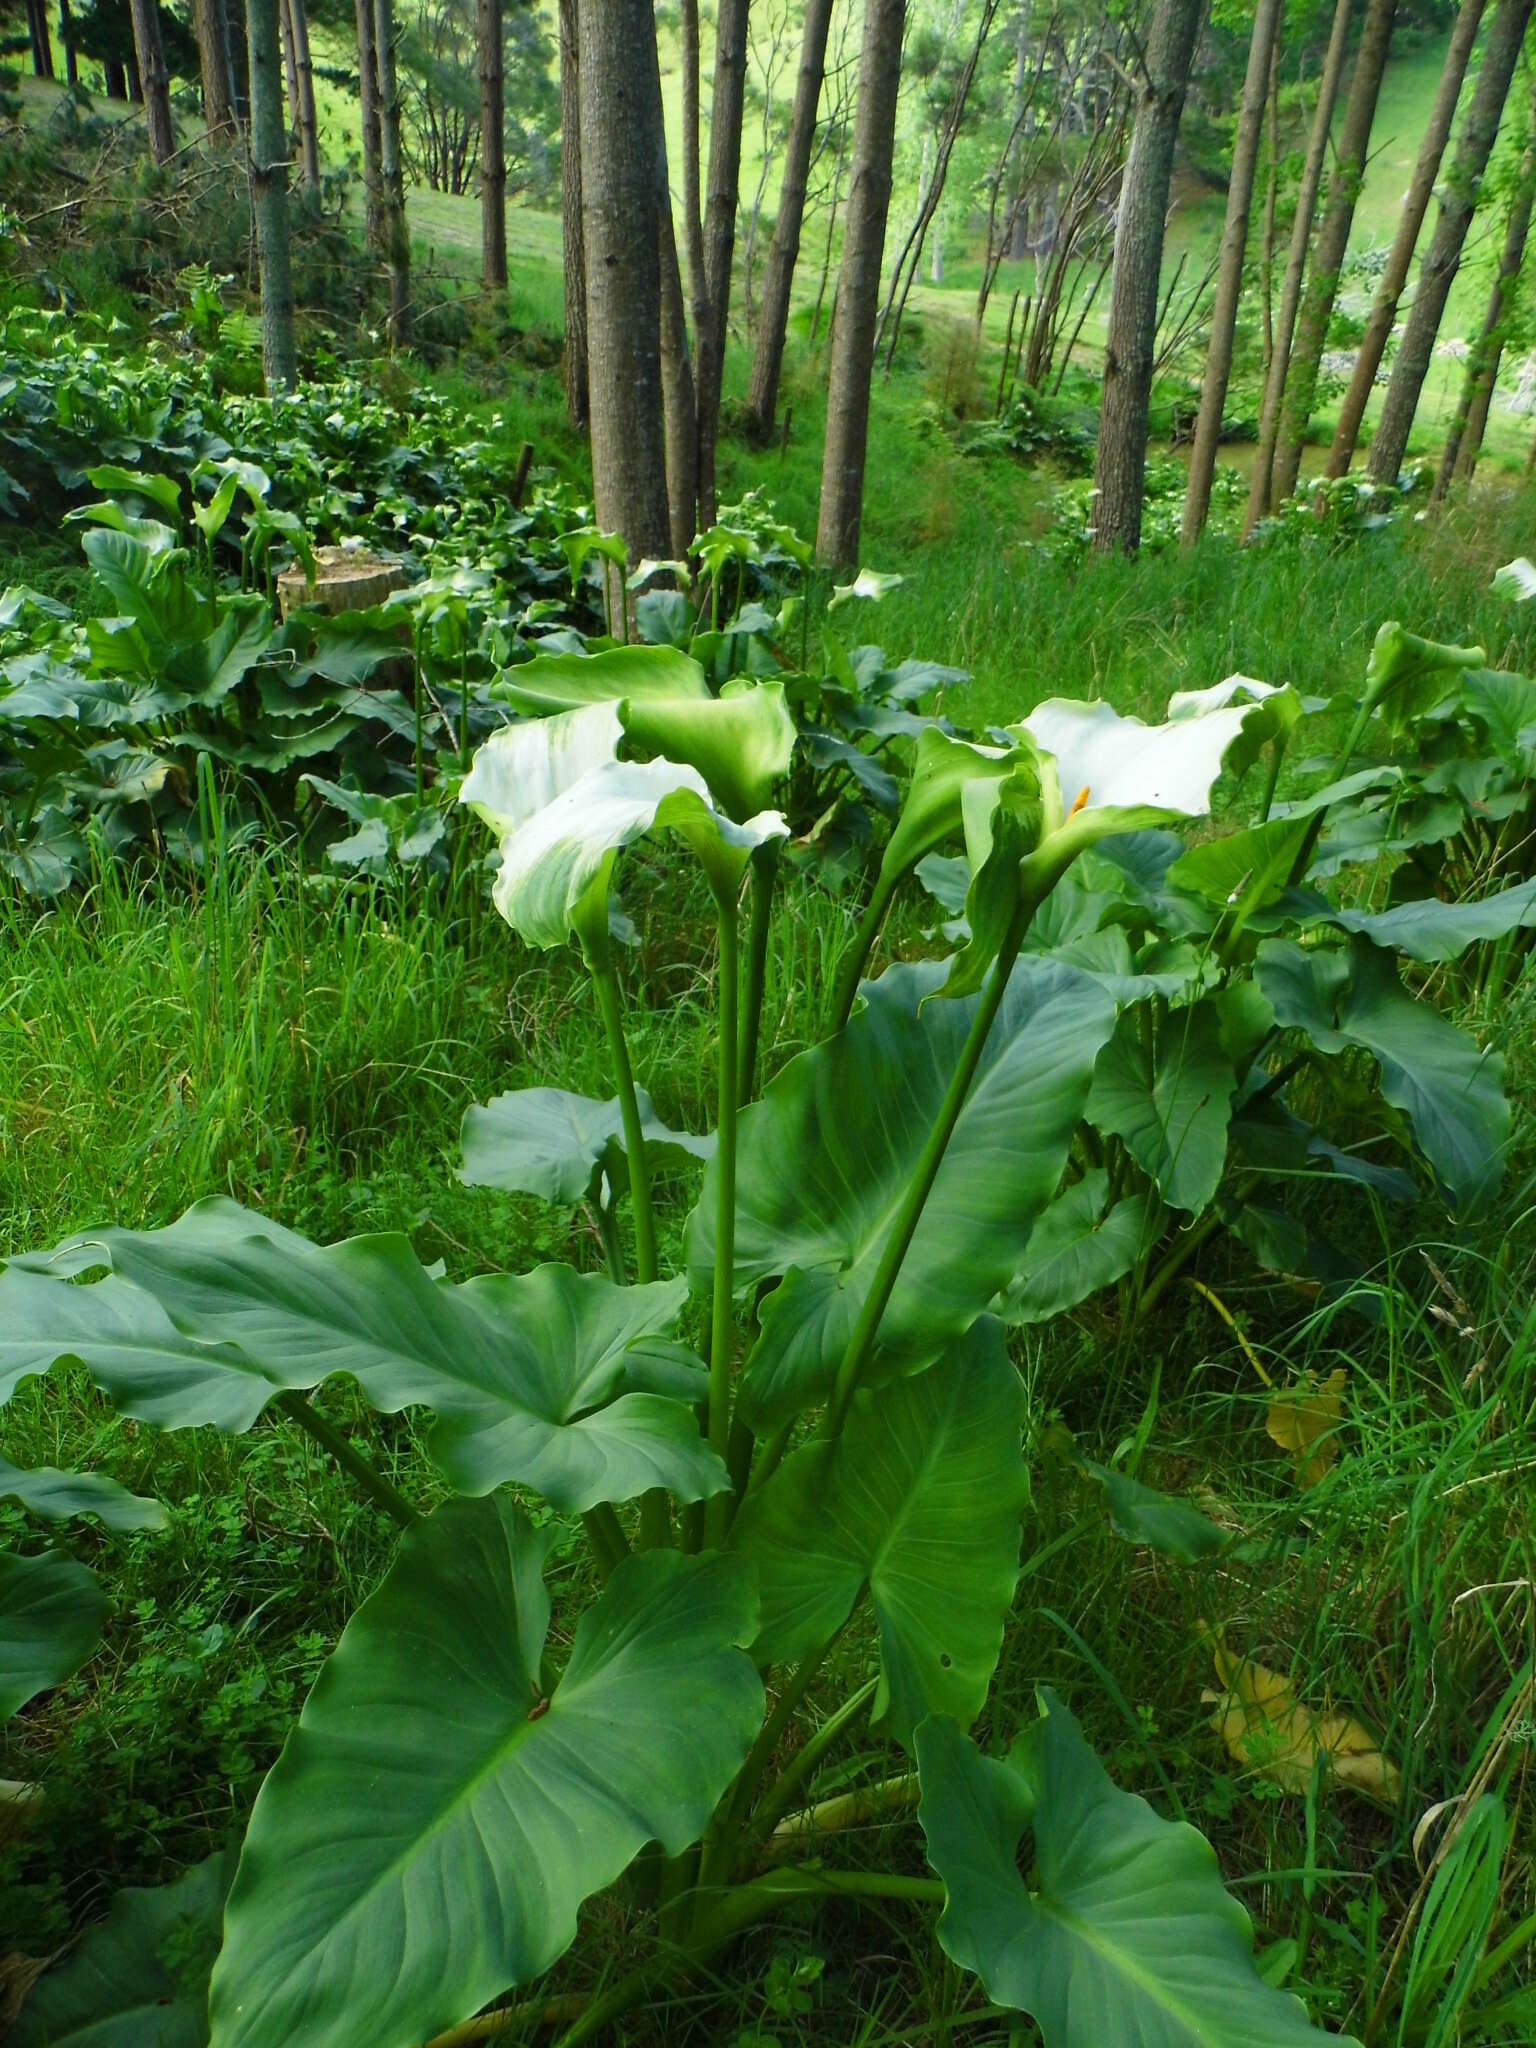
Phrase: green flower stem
[606,1218]
[723,1833]
[776,1802]
[887,1800]
[857,957]
[913,1202]
[605,987]
[368,1477]
[609,1546]
[1276,759]
[1342,759]
[765,869]
[717,1511]
[416,667]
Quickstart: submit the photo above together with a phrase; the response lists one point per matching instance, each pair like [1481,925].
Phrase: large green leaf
[1127,1936]
[561,1147]
[916,1502]
[1429,930]
[1450,1090]
[551,1378]
[741,742]
[51,1612]
[65,1496]
[1167,1092]
[561,682]
[826,1153]
[1076,1248]
[438,1815]
[140,1978]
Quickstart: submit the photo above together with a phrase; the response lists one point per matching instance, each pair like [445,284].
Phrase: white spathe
[1126,764]
[524,767]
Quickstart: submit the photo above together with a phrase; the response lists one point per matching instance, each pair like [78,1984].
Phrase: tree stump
[346,580]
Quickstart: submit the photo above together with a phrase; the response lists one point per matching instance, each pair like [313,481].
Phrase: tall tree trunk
[1465,439]
[269,194]
[493,145]
[779,271]
[1378,326]
[71,56]
[1332,242]
[239,59]
[693,210]
[679,404]
[42,42]
[1271,202]
[368,102]
[304,110]
[290,75]
[1229,277]
[114,81]
[397,241]
[213,62]
[1437,273]
[155,80]
[1120,465]
[725,118]
[576,404]
[858,285]
[621,237]
[1295,266]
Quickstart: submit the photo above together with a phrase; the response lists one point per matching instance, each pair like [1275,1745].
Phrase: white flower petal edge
[549,863]
[526,766]
[1196,703]
[1125,764]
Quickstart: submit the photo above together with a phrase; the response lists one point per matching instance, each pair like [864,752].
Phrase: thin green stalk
[856,958]
[606,1218]
[720,1839]
[605,986]
[464,706]
[926,1171]
[1315,824]
[416,666]
[721,1324]
[369,1478]
[776,1801]
[609,1546]
[772,1456]
[1276,757]
[765,869]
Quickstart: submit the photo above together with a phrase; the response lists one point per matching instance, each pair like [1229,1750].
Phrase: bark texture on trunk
[1130,344]
[779,271]
[38,36]
[114,78]
[1295,266]
[858,285]
[1262,45]
[71,58]
[154,79]
[212,34]
[304,114]
[493,144]
[1378,326]
[269,193]
[290,75]
[725,118]
[1271,201]
[1464,441]
[621,238]
[1437,273]
[368,102]
[572,248]
[1332,243]
[693,208]
[397,241]
[680,419]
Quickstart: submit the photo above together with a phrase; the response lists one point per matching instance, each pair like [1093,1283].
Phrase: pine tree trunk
[576,402]
[1464,441]
[114,81]
[1332,243]
[42,42]
[213,63]
[1262,45]
[493,146]
[725,119]
[269,194]
[693,210]
[858,286]
[1271,202]
[779,271]
[374,235]
[304,109]
[1378,327]
[1437,273]
[154,79]
[397,241]
[71,57]
[1120,465]
[621,238]
[1295,266]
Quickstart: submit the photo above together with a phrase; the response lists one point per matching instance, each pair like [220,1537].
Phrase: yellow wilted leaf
[1304,1420]
[1268,1730]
